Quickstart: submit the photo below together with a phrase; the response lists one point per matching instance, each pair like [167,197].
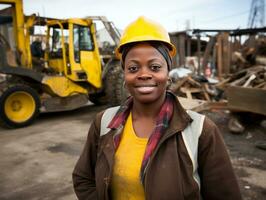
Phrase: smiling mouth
[146,85]
[145,89]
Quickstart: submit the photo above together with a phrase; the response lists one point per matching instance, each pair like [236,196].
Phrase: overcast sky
[174,15]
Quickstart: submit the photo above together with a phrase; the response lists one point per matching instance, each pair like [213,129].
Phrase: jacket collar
[180,119]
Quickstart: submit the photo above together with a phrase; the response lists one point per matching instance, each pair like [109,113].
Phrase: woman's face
[146,73]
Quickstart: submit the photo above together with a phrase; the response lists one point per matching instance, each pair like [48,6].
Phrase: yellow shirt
[126,184]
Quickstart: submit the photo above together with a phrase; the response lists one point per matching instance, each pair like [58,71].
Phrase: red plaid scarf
[162,122]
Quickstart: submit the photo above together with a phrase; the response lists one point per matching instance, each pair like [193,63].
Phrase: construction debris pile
[252,53]
[253,77]
[195,87]
[230,74]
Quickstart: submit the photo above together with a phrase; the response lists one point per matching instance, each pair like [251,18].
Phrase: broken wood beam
[247,99]
[175,86]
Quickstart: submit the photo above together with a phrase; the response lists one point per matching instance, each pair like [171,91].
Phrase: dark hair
[159,46]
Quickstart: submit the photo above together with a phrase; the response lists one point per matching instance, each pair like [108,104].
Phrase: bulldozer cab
[71,50]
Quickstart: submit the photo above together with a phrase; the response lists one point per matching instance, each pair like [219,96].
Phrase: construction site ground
[37,161]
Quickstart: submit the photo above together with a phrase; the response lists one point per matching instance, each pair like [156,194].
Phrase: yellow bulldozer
[63,75]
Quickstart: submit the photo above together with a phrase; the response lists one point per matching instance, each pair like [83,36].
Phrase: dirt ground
[37,161]
[248,161]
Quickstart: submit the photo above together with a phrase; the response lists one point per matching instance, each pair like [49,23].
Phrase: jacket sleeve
[84,172]
[218,180]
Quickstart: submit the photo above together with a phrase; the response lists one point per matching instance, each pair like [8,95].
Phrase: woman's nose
[144,77]
[144,74]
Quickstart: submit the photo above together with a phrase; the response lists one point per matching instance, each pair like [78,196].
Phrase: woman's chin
[146,98]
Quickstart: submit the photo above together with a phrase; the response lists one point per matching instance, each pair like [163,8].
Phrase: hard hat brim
[171,47]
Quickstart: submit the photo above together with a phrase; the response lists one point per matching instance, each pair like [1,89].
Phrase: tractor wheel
[98,98]
[19,105]
[115,89]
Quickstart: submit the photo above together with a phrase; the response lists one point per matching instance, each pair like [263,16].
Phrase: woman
[153,148]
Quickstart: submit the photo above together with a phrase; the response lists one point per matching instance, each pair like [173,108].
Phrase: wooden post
[219,55]
[181,46]
[175,43]
[251,41]
[198,53]
[226,53]
[214,57]
[207,52]
[188,46]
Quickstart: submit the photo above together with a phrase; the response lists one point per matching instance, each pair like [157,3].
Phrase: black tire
[98,98]
[114,82]
[16,100]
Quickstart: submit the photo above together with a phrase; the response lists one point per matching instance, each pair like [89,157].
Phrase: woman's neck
[150,110]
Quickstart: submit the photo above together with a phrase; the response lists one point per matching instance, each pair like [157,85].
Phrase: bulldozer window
[6,25]
[55,42]
[82,41]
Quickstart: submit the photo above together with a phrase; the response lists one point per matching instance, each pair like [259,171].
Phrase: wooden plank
[248,72]
[190,90]
[193,82]
[250,79]
[247,99]
[175,87]
[222,84]
[240,81]
[217,105]
[201,105]
[188,93]
[205,93]
[261,85]
[193,104]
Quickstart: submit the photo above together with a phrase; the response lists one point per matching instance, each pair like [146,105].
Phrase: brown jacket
[169,172]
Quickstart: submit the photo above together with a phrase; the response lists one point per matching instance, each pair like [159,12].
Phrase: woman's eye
[155,67]
[132,69]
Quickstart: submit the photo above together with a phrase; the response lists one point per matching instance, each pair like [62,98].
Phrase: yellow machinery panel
[62,86]
[57,65]
[19,31]
[92,66]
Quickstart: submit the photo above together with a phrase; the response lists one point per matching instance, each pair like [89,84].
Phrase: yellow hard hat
[142,30]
